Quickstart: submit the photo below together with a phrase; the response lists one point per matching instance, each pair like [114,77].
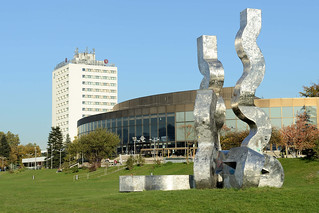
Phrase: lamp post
[47,166]
[60,158]
[35,158]
[154,141]
[134,140]
[51,156]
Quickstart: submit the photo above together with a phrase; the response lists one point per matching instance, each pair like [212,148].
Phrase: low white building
[30,163]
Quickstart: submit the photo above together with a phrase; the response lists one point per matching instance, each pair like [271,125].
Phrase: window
[189,116]
[180,117]
[154,132]
[275,112]
[162,128]
[230,114]
[287,112]
[146,128]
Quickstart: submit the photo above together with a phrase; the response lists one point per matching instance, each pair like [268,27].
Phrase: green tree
[55,147]
[4,147]
[67,144]
[97,145]
[311,91]
[13,141]
[29,150]
[67,140]
[130,162]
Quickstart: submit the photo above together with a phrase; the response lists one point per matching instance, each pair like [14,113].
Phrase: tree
[311,91]
[97,145]
[67,140]
[29,150]
[301,135]
[4,147]
[276,137]
[13,141]
[55,147]
[67,144]
[230,139]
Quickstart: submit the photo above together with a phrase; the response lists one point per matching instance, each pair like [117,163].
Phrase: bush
[130,163]
[158,163]
[140,160]
[75,169]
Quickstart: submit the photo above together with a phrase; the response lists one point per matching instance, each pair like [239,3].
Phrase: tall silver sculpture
[209,112]
[253,74]
[244,166]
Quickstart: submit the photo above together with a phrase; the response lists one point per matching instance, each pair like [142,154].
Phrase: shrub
[158,163]
[130,163]
[75,169]
[140,160]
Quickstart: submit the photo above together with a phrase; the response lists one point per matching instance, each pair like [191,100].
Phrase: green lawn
[58,192]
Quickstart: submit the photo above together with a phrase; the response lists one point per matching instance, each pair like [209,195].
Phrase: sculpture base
[156,182]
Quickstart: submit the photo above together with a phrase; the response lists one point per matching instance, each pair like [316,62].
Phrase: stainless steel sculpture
[209,113]
[246,166]
[239,167]
[253,74]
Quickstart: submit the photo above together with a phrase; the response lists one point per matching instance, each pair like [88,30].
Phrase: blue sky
[153,44]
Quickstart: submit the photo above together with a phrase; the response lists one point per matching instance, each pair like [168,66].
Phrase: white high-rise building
[80,87]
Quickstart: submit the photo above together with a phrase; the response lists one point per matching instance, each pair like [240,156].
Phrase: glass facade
[176,129]
[154,126]
[171,125]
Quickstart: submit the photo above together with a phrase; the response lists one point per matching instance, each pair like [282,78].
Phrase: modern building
[168,118]
[81,87]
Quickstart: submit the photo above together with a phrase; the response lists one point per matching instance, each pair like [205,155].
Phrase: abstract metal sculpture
[253,74]
[209,112]
[244,166]
[239,167]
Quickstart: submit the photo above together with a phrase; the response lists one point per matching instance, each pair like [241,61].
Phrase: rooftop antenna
[76,51]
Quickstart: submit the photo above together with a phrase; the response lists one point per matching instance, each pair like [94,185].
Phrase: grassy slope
[57,192]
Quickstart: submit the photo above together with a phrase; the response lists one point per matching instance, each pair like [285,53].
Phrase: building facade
[166,121]
[81,87]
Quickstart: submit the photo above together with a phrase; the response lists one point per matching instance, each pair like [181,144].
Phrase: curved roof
[160,103]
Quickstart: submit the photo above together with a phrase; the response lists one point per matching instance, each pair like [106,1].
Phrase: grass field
[59,192]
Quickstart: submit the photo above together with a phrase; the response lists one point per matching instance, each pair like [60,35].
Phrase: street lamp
[134,140]
[142,139]
[51,156]
[35,158]
[60,158]
[154,140]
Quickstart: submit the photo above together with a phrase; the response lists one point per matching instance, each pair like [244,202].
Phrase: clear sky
[153,44]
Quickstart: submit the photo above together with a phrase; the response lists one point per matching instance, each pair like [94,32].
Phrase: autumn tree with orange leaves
[301,135]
